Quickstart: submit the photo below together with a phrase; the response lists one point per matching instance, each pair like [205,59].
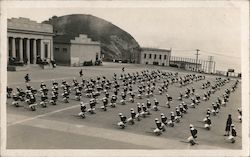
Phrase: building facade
[28,40]
[186,65]
[77,51]
[155,56]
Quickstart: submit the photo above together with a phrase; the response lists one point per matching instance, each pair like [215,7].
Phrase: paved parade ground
[58,127]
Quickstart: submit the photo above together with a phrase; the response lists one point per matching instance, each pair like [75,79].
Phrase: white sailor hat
[162,114]
[131,109]
[120,114]
[232,125]
[191,126]
[156,119]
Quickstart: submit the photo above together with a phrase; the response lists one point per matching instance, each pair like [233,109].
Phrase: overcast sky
[215,31]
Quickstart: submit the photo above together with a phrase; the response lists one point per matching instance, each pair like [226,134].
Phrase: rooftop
[25,24]
[71,39]
[185,62]
[154,49]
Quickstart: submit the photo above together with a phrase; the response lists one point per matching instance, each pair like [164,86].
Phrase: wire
[219,54]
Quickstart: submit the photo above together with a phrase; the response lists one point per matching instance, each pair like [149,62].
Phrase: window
[56,49]
[155,56]
[165,57]
[150,55]
[159,56]
[145,55]
[64,49]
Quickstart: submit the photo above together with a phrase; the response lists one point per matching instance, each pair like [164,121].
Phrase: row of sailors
[90,84]
[66,92]
[78,94]
[188,79]
[188,92]
[144,111]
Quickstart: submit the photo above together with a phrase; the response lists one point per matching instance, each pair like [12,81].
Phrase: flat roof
[184,62]
[154,49]
[25,24]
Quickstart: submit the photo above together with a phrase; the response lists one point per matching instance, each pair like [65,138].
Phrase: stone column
[28,51]
[13,48]
[41,49]
[51,50]
[8,50]
[21,50]
[34,51]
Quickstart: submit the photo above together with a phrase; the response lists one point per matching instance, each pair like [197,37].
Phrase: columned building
[155,56]
[28,40]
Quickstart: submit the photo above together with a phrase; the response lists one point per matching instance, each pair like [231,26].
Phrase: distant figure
[123,69]
[193,136]
[53,63]
[240,115]
[233,134]
[27,78]
[80,73]
[25,60]
[228,125]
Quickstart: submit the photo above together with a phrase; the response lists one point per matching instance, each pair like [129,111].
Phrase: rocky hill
[115,42]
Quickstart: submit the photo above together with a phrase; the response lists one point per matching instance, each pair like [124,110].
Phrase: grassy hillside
[115,42]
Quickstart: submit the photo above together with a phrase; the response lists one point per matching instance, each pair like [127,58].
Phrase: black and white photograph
[124,78]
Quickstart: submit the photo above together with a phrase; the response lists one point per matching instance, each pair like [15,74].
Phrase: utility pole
[214,67]
[196,62]
[210,62]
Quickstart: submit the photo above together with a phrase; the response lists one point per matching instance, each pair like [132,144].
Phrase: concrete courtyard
[57,127]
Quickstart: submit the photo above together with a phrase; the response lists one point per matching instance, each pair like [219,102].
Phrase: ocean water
[225,63]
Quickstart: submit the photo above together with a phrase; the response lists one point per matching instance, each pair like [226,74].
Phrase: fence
[206,66]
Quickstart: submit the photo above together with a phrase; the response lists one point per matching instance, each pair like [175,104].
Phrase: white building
[28,39]
[155,56]
[76,51]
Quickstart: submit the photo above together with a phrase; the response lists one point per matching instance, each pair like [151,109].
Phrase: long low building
[186,65]
[155,56]
[28,41]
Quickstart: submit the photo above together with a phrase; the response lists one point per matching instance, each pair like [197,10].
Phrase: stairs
[29,67]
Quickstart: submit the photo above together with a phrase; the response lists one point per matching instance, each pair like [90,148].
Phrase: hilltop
[115,42]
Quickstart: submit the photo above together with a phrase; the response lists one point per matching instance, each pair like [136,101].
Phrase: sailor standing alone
[193,136]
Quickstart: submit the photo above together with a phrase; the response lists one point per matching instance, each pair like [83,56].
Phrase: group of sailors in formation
[146,81]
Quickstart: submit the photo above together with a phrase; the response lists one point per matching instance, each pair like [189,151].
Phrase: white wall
[84,52]
[152,59]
